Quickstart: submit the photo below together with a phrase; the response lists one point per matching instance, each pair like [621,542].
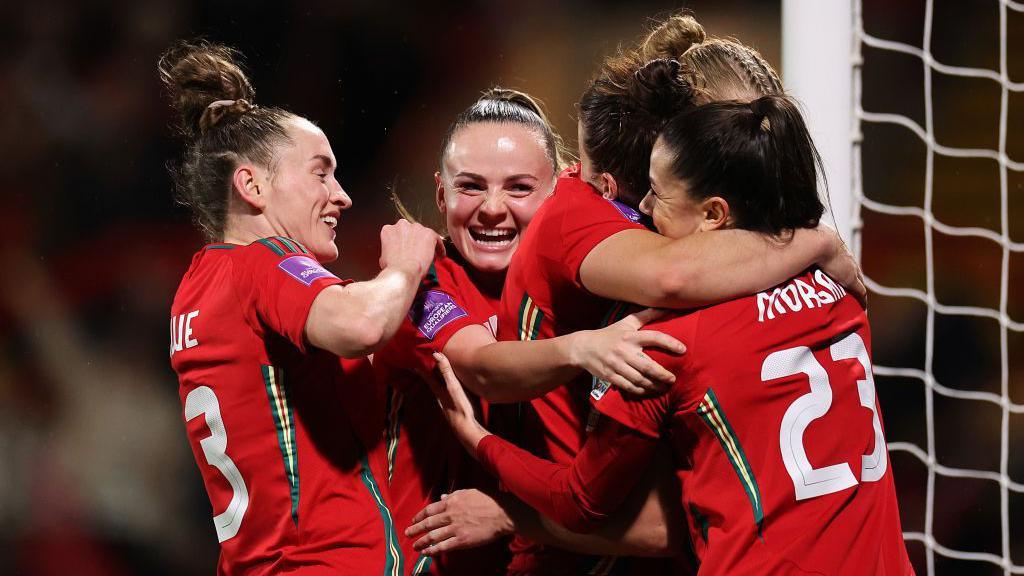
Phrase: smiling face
[303,198]
[494,178]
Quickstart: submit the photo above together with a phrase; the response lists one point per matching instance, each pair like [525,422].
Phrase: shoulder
[278,253]
[683,327]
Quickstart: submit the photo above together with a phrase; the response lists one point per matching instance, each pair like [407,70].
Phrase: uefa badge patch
[436,311]
[304,269]
[599,387]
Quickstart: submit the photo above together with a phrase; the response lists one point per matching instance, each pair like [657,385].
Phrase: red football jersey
[774,406]
[288,480]
[543,298]
[422,457]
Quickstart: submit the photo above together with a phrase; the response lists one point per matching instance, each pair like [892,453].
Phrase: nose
[645,204]
[340,198]
[493,209]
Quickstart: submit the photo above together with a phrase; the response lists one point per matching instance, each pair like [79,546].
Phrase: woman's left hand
[456,406]
[462,519]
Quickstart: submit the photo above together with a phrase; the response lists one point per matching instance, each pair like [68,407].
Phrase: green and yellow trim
[284,422]
[422,566]
[711,412]
[530,319]
[394,561]
[282,246]
[617,311]
[393,427]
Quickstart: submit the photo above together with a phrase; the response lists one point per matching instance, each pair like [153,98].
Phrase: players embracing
[311,483]
[775,429]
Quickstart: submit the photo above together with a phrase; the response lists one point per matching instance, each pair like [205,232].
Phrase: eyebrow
[325,159]
[479,177]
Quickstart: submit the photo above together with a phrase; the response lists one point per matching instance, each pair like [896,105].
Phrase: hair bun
[522,99]
[660,89]
[763,108]
[672,38]
[198,73]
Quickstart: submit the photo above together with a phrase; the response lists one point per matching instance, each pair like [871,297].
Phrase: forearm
[648,269]
[357,319]
[578,496]
[647,540]
[515,371]
[727,264]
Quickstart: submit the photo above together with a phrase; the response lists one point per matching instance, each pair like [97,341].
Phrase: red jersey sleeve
[588,219]
[278,280]
[579,496]
[438,313]
[651,416]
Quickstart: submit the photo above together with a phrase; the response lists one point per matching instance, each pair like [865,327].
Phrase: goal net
[922,130]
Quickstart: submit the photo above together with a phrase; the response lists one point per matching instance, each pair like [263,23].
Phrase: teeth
[494,232]
[494,237]
[330,221]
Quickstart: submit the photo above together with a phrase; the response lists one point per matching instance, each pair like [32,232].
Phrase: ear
[716,214]
[607,185]
[245,183]
[439,194]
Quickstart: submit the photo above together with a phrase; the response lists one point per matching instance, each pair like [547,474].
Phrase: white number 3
[809,481]
[202,400]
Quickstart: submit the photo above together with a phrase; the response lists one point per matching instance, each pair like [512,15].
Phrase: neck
[246,229]
[489,283]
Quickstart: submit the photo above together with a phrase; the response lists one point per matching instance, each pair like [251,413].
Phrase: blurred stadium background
[95,472]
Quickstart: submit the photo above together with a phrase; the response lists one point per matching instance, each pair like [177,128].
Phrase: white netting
[862,201]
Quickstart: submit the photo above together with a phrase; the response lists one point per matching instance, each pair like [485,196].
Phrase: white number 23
[809,481]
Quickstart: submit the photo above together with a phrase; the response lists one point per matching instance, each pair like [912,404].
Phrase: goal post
[817,69]
[823,42]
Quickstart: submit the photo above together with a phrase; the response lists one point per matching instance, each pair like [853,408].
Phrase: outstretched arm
[515,371]
[649,269]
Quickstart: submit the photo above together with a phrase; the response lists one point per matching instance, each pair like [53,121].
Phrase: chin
[323,253]
[490,263]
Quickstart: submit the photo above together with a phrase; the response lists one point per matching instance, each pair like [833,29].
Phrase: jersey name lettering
[181,332]
[798,295]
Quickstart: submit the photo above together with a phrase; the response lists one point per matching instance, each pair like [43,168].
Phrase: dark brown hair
[627,103]
[757,155]
[508,106]
[221,126]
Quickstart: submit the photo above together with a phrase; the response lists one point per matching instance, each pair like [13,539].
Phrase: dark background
[95,473]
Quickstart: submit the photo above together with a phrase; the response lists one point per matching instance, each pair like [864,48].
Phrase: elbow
[371,336]
[579,518]
[485,389]
[658,541]
[360,338]
[674,283]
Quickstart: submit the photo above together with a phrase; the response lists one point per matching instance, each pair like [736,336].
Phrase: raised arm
[515,371]
[355,320]
[649,269]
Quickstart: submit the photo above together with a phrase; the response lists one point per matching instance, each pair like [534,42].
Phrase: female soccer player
[499,162]
[257,326]
[583,250]
[773,418]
